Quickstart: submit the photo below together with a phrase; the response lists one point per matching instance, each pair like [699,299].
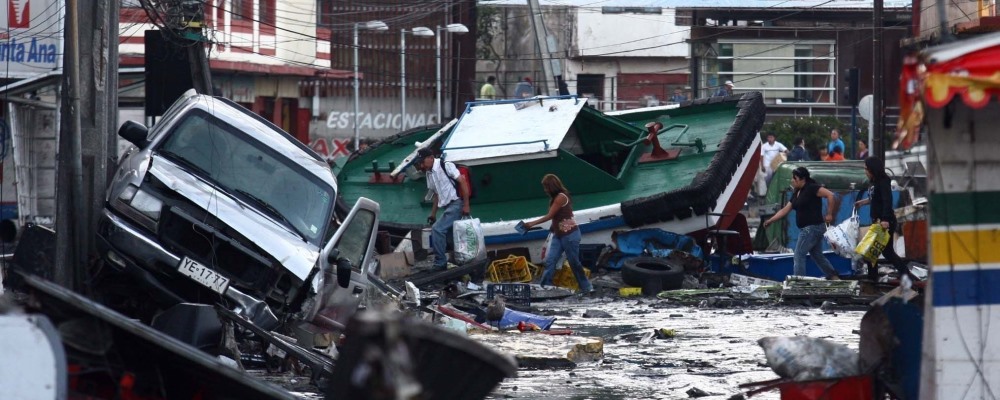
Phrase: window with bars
[783,71]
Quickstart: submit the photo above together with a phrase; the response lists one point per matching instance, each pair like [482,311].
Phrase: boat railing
[545,143]
[468,105]
[642,139]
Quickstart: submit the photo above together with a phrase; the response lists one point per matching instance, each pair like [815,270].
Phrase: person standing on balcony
[726,89]
[678,97]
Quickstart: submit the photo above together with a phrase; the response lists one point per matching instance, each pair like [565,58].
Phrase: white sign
[377,121]
[30,37]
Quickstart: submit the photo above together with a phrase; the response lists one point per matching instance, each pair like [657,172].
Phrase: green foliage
[814,130]
[487,29]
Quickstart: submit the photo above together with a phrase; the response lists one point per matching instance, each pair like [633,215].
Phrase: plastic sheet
[803,358]
[512,317]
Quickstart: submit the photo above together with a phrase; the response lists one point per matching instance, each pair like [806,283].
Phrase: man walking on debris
[451,192]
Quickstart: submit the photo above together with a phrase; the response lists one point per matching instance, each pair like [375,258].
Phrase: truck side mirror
[343,272]
[135,133]
[343,267]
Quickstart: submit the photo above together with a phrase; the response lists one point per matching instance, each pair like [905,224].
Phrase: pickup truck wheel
[652,272]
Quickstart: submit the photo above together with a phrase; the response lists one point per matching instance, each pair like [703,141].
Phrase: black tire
[652,273]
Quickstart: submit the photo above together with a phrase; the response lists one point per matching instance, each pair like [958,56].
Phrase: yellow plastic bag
[871,246]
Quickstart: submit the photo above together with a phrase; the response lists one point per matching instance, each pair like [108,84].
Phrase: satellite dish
[865,108]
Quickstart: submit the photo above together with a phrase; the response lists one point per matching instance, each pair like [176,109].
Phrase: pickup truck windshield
[252,172]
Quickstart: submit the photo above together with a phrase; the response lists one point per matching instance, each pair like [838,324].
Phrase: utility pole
[192,14]
[88,119]
[878,99]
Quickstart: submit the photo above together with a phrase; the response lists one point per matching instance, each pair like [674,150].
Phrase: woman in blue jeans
[565,233]
[807,203]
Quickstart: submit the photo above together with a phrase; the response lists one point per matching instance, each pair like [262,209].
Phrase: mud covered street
[715,348]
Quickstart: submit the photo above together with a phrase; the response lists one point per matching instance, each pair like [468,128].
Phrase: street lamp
[372,26]
[420,31]
[453,28]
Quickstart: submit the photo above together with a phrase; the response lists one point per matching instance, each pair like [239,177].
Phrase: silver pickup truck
[215,204]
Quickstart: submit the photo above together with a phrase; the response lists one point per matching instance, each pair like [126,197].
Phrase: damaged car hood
[289,249]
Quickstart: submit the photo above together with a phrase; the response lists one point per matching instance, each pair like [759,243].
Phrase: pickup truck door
[354,241]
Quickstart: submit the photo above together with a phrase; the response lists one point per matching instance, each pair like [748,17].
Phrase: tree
[814,130]
[488,27]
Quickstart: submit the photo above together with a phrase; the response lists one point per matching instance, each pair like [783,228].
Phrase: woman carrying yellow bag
[874,242]
[880,198]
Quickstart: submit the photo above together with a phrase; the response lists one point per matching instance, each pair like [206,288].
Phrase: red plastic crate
[852,387]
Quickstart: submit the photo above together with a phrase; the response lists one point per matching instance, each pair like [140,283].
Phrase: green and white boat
[710,155]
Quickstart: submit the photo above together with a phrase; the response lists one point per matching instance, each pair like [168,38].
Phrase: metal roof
[512,130]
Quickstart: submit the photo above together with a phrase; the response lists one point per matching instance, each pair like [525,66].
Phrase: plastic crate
[513,293]
[510,269]
[564,277]
[536,271]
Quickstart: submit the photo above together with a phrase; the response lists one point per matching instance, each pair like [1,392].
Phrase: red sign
[18,14]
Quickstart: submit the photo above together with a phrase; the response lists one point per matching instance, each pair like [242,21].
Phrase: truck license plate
[204,275]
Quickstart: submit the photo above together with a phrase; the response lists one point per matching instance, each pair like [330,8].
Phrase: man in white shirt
[443,178]
[768,152]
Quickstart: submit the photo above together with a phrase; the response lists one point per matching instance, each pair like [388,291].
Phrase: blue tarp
[650,242]
[512,317]
[777,266]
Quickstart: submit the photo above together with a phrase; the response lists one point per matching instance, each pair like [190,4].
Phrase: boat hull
[597,224]
[705,184]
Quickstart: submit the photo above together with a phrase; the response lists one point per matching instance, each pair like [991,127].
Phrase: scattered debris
[803,358]
[664,333]
[596,314]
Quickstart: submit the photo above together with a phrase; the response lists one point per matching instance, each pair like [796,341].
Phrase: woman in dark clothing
[808,206]
[880,198]
[565,234]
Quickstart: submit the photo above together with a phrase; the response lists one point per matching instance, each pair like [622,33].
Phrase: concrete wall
[332,133]
[957,12]
[629,35]
[589,43]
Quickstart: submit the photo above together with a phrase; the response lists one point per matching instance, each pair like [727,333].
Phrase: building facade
[293,62]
